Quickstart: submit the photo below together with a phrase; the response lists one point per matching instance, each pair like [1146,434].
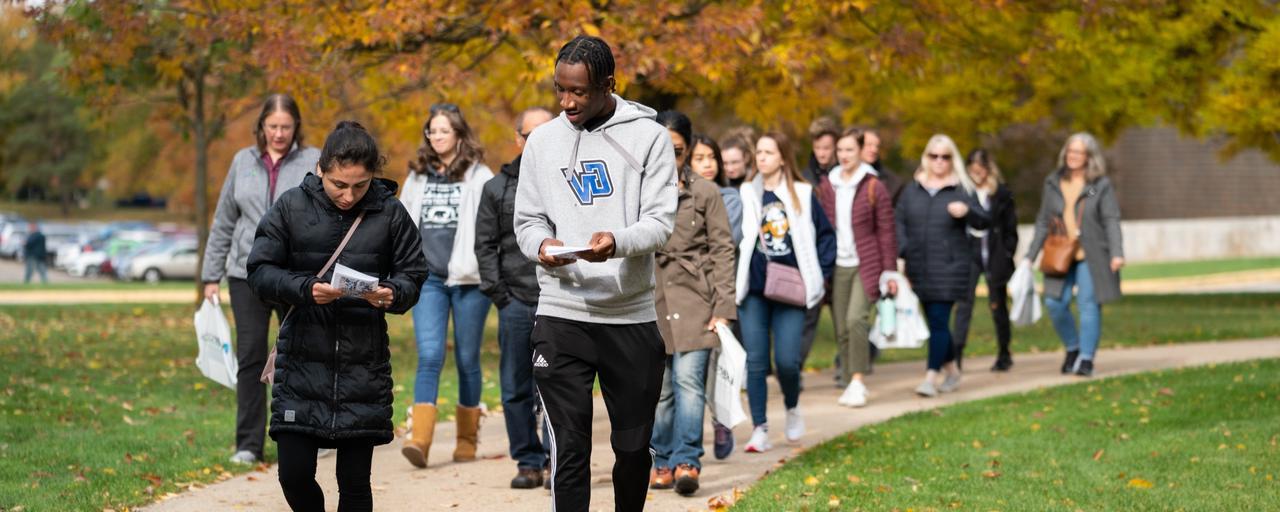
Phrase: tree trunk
[200,130]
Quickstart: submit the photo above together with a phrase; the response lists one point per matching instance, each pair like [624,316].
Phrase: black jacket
[1002,240]
[333,363]
[34,248]
[505,273]
[813,173]
[935,244]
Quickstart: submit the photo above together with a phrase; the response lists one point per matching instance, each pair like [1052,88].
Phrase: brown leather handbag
[1059,250]
[1060,247]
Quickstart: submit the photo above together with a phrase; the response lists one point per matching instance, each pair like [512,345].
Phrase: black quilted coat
[333,364]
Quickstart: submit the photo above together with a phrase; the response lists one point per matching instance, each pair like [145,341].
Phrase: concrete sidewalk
[483,485]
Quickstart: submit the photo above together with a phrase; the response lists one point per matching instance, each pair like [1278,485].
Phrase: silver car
[176,261]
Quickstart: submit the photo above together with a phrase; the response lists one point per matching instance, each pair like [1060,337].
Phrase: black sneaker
[1069,364]
[527,479]
[1003,364]
[724,441]
[1085,368]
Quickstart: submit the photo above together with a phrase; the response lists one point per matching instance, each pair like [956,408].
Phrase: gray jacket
[1099,233]
[242,203]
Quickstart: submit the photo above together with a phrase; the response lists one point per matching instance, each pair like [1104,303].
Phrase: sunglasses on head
[944,156]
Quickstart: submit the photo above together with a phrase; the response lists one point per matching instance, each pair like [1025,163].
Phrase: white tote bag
[731,377]
[1026,300]
[216,359]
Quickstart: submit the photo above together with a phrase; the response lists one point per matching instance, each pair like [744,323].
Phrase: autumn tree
[192,61]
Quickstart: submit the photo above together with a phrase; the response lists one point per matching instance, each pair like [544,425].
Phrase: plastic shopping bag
[731,377]
[909,328]
[1026,300]
[216,360]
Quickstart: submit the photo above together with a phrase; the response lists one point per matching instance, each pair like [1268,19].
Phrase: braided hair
[592,52]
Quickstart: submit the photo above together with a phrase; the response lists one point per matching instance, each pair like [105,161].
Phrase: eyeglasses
[944,156]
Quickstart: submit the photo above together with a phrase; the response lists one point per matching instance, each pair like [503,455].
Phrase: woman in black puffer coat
[333,364]
[931,216]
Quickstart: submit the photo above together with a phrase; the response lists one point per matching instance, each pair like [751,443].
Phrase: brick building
[1160,174]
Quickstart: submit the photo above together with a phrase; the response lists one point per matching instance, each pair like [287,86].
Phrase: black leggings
[298,473]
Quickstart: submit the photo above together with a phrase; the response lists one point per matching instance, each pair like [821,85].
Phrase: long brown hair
[278,103]
[469,151]
[791,174]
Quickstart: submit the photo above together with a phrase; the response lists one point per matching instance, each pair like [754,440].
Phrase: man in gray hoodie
[601,176]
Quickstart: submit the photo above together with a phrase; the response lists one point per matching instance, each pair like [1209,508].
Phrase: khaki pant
[851,314]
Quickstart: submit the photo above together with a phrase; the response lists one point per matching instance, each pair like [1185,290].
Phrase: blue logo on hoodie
[589,183]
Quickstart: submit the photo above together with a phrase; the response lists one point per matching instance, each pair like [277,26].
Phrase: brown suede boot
[468,434]
[418,443]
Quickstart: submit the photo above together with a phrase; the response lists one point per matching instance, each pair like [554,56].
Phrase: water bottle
[888,314]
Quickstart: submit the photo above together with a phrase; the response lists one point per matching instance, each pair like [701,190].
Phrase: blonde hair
[1096,166]
[958,168]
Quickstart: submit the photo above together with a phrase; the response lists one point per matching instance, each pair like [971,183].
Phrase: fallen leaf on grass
[1166,391]
[855,479]
[833,501]
[1139,483]
[1098,454]
[991,474]
[811,480]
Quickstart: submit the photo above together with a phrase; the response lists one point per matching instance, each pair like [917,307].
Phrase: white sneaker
[324,452]
[950,383]
[855,395]
[927,389]
[795,424]
[244,457]
[759,442]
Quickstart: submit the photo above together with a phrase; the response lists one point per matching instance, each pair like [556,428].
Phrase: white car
[88,264]
[177,261]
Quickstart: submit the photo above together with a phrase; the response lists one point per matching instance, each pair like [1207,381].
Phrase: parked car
[171,261]
[12,236]
[90,261]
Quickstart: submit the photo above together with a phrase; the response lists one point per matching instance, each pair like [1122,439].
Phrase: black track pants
[629,359]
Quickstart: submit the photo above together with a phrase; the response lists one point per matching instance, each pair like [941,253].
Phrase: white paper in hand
[565,251]
[353,283]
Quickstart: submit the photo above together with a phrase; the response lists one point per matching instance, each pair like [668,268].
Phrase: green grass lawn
[1197,268]
[1189,439]
[102,406]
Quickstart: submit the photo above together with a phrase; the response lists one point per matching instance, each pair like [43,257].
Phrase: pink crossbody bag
[782,283]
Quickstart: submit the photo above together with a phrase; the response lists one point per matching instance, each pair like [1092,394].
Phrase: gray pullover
[242,204]
[618,178]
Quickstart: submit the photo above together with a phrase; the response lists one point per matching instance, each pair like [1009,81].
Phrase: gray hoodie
[618,178]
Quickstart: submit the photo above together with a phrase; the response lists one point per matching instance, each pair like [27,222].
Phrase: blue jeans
[430,327]
[1084,339]
[515,330]
[36,265]
[941,351]
[677,424]
[762,319]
